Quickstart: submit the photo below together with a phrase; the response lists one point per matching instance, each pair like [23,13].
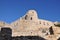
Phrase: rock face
[31,25]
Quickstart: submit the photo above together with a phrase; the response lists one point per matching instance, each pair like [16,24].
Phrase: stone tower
[32,15]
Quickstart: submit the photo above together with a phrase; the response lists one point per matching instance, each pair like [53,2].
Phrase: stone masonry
[31,25]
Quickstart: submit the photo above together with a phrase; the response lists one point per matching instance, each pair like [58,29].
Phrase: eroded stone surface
[31,25]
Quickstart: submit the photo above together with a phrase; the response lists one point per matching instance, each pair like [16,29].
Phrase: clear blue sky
[11,10]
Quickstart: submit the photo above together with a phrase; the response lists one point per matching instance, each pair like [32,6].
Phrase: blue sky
[11,10]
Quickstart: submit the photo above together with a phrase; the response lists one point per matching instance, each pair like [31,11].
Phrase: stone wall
[31,25]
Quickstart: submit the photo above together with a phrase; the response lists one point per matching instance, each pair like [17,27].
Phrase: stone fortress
[31,25]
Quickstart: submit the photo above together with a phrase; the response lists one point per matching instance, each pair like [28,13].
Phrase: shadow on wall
[28,38]
[51,31]
[6,34]
[58,39]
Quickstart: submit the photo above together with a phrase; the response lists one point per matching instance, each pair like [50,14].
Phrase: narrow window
[26,17]
[31,18]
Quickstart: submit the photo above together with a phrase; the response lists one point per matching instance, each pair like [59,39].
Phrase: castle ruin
[31,25]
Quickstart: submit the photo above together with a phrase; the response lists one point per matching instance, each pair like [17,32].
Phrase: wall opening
[26,17]
[6,33]
[31,18]
[51,30]
[58,39]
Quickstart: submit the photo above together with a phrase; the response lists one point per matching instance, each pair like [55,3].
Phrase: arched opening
[51,30]
[26,17]
[6,33]
[31,18]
